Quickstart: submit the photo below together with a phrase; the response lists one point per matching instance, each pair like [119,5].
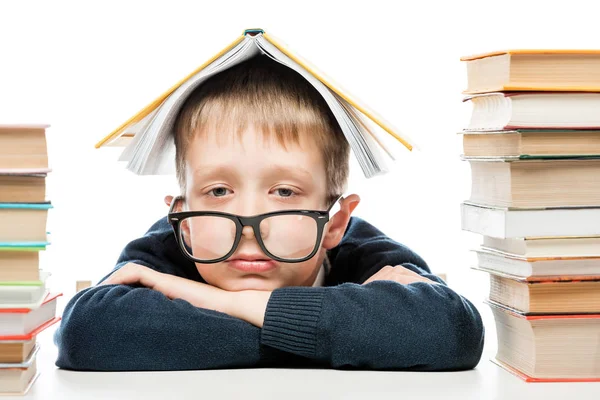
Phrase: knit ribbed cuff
[291,319]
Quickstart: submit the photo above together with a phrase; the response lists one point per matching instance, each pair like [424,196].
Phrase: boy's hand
[398,274]
[197,293]
[249,305]
[132,273]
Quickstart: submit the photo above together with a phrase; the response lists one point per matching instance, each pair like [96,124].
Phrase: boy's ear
[169,201]
[337,225]
[185,229]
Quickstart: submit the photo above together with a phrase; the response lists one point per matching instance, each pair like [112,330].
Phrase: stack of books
[533,144]
[26,307]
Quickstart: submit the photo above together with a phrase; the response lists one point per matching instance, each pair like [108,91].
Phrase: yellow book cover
[250,43]
[302,62]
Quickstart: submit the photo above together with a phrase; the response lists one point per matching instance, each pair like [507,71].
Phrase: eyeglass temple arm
[338,200]
[173,203]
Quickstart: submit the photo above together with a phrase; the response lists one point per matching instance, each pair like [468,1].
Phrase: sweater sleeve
[381,325]
[120,328]
[124,328]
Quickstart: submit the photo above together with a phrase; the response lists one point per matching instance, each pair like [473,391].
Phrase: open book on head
[148,137]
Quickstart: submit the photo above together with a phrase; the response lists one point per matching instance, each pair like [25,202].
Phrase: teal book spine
[28,206]
[23,246]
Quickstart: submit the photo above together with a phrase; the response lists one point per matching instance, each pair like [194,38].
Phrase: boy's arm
[120,327]
[380,325]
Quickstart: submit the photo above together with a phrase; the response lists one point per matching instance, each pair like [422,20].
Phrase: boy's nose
[248,232]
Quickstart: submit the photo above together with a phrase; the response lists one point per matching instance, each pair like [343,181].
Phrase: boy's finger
[405,271]
[107,281]
[123,276]
[114,279]
[406,280]
[380,275]
[401,279]
[419,278]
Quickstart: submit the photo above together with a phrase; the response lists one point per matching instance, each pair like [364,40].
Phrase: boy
[218,289]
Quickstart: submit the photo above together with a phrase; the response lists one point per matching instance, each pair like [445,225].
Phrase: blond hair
[263,93]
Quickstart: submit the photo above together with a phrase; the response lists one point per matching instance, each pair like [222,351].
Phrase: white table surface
[487,381]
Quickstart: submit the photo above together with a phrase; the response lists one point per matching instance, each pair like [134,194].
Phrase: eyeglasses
[289,236]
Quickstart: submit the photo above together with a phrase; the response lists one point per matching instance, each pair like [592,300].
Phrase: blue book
[30,206]
[23,246]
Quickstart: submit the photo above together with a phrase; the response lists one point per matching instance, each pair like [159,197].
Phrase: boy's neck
[320,280]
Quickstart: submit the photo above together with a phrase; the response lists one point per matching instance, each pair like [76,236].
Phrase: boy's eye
[283,192]
[219,192]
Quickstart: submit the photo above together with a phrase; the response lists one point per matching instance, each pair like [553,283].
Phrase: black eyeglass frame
[175,218]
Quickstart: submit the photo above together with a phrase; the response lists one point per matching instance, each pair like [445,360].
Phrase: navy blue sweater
[383,325]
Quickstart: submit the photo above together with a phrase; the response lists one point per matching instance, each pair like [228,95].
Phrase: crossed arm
[247,305]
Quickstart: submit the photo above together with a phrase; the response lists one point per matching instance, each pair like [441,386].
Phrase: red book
[24,323]
[548,348]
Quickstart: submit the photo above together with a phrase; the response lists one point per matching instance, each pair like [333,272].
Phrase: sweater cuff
[291,319]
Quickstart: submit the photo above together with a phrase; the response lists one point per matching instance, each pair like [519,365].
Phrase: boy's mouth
[252,264]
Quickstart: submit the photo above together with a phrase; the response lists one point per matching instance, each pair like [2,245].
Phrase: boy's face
[253,175]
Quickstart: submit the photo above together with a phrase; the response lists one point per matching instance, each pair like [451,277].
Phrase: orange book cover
[33,333]
[37,330]
[536,259]
[541,278]
[536,316]
[48,299]
[531,379]
[520,315]
[530,52]
[327,81]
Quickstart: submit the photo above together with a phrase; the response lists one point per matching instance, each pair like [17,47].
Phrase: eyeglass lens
[287,236]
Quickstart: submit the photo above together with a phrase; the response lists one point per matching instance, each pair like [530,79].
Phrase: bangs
[281,120]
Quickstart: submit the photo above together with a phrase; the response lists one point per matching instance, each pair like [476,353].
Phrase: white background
[85,67]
